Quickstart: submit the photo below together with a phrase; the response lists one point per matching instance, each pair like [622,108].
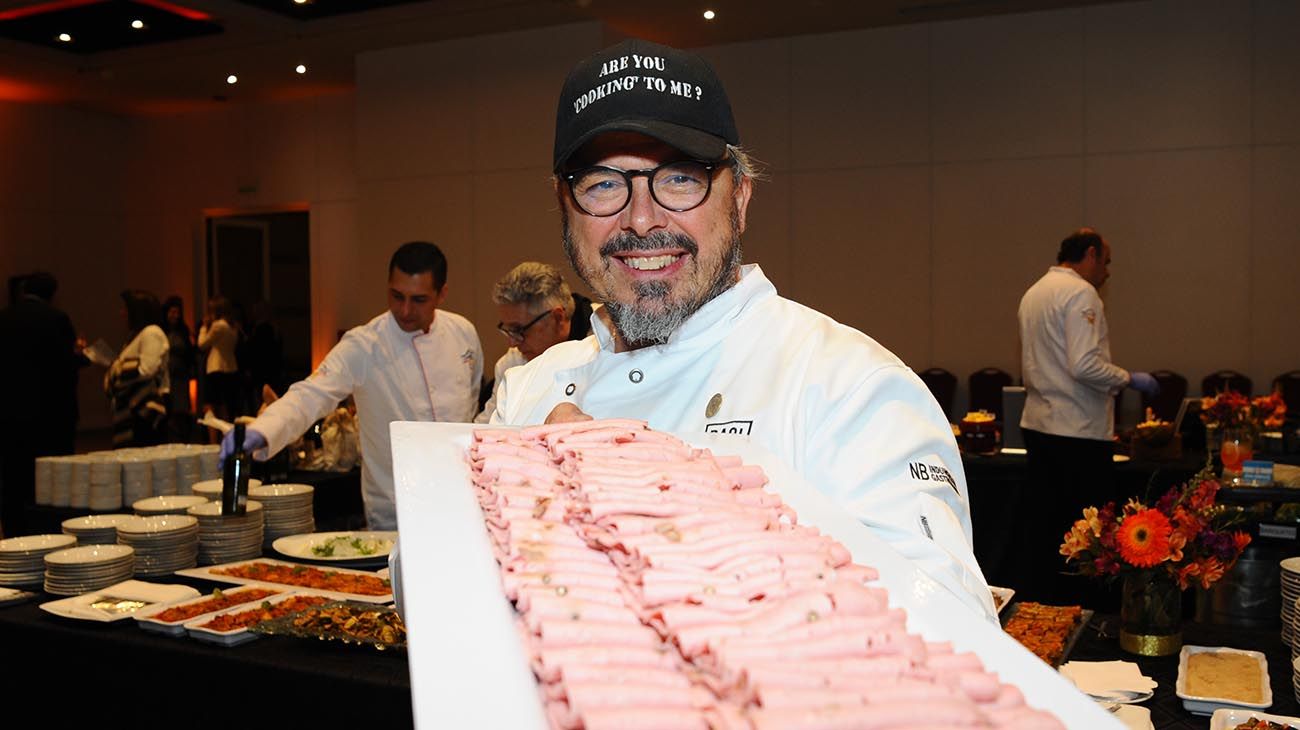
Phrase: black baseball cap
[639,86]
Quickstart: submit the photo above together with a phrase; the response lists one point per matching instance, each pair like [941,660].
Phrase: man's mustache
[627,241]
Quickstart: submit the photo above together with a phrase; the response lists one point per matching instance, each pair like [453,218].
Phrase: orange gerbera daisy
[1144,538]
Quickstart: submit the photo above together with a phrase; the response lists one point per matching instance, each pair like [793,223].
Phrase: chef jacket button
[568,389]
[636,376]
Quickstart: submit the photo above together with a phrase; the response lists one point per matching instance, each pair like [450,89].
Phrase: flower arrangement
[1230,409]
[1186,534]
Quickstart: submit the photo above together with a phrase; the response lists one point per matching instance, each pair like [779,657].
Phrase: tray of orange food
[231,628]
[339,583]
[1048,631]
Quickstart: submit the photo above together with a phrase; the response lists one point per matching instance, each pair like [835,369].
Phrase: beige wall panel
[410,114]
[27,139]
[26,242]
[860,98]
[1009,86]
[768,235]
[997,226]
[1167,74]
[87,160]
[343,293]
[861,252]
[757,78]
[336,147]
[1275,264]
[1277,71]
[280,163]
[1179,227]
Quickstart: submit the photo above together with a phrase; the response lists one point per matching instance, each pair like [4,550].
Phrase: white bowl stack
[288,509]
[163,544]
[188,470]
[137,477]
[105,483]
[94,529]
[208,462]
[229,538]
[45,479]
[79,484]
[22,559]
[1290,592]
[76,570]
[211,488]
[163,466]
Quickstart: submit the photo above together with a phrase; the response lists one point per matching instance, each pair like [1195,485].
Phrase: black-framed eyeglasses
[678,186]
[517,333]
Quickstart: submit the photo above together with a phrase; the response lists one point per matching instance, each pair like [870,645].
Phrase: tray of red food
[231,628]
[340,583]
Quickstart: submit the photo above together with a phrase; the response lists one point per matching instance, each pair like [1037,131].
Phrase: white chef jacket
[828,400]
[1070,381]
[393,376]
[510,359]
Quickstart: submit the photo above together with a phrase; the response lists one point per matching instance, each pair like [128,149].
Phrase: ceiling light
[231,79]
[300,69]
[709,15]
[137,24]
[65,38]
[300,2]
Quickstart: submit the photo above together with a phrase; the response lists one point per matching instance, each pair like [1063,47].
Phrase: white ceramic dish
[167,504]
[468,667]
[89,556]
[148,620]
[208,572]
[196,629]
[1201,705]
[1001,597]
[27,544]
[151,594]
[303,546]
[1227,718]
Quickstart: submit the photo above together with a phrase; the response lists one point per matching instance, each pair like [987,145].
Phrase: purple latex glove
[253,440]
[1143,383]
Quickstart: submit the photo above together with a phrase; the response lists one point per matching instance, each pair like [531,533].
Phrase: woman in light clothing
[218,337]
[137,383]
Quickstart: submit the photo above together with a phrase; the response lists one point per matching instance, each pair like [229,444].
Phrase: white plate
[155,524]
[151,594]
[242,635]
[1001,597]
[208,572]
[89,555]
[300,546]
[167,503]
[1199,705]
[468,667]
[1227,718]
[263,491]
[147,618]
[213,509]
[33,543]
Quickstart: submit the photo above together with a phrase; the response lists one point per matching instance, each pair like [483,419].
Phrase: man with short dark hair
[1070,386]
[414,362]
[653,191]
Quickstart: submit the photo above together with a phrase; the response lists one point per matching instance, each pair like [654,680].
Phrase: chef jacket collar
[699,328]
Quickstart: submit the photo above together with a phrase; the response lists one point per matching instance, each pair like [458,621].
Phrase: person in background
[415,362]
[40,366]
[263,354]
[1070,385]
[180,368]
[138,382]
[537,310]
[218,337]
[653,191]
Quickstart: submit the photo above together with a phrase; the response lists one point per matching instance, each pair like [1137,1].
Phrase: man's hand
[1143,383]
[253,440]
[566,413]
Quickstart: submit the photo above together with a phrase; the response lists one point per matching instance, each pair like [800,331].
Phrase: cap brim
[693,142]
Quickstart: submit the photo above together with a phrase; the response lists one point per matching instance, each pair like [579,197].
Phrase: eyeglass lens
[677,186]
[518,334]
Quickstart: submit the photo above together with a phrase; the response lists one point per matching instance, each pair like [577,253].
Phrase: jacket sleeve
[307,401]
[1085,318]
[883,449]
[205,336]
[153,351]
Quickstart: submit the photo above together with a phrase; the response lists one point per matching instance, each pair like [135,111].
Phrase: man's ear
[741,195]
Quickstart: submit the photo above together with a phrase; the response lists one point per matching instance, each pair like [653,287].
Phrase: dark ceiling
[180,52]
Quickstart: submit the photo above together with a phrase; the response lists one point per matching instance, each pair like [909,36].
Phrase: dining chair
[1165,404]
[1222,380]
[986,390]
[943,386]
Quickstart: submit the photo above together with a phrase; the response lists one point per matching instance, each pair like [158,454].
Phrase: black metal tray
[1085,616]
[302,625]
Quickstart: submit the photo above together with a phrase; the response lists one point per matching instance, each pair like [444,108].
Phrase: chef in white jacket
[653,193]
[414,362]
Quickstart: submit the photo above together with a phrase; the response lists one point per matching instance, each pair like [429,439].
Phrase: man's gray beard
[641,326]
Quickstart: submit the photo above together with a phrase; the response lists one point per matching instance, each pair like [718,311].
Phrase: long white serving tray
[468,667]
[208,572]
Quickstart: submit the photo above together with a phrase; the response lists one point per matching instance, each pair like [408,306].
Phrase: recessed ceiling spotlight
[137,24]
[709,15]
[300,69]
[231,79]
[65,38]
[300,2]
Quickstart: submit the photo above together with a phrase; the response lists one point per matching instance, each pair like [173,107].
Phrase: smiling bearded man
[653,191]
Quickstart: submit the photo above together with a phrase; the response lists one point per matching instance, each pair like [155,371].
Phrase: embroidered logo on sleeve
[1090,315]
[741,427]
[467,357]
[922,472]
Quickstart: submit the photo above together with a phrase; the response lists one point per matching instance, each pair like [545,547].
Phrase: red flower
[1144,538]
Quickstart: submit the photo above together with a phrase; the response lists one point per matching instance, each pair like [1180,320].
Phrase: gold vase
[1151,613]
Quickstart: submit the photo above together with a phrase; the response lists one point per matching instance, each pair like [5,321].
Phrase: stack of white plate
[288,509]
[187,469]
[76,570]
[211,488]
[1290,592]
[95,529]
[22,559]
[209,468]
[163,467]
[137,477]
[171,504]
[105,483]
[1295,677]
[228,538]
[60,481]
[79,486]
[45,479]
[163,544]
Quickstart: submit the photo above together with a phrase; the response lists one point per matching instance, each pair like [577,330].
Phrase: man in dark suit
[40,356]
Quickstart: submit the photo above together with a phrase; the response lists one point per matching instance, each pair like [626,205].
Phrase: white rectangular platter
[235,637]
[1200,705]
[208,572]
[152,594]
[149,621]
[468,667]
